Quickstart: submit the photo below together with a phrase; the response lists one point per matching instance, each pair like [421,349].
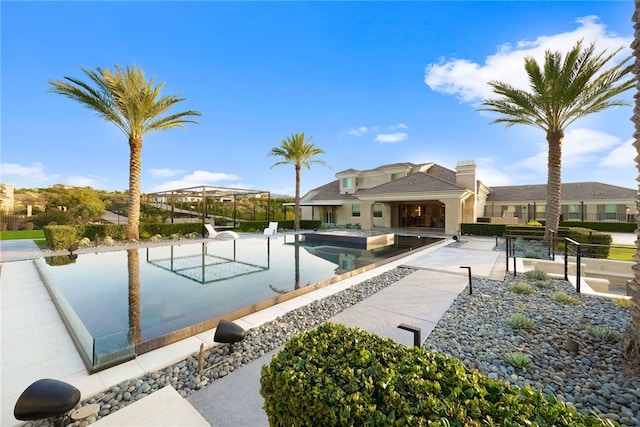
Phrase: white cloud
[620,157]
[197,178]
[468,80]
[165,173]
[491,175]
[398,126]
[580,147]
[27,176]
[391,138]
[358,131]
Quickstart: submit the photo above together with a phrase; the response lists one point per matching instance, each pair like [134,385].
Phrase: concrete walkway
[419,299]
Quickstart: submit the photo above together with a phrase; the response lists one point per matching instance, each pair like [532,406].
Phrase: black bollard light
[416,333]
[228,332]
[47,398]
[470,288]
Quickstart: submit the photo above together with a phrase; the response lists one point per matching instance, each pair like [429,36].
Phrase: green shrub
[623,302]
[536,274]
[339,376]
[59,237]
[602,332]
[521,288]
[565,298]
[55,217]
[482,229]
[521,321]
[618,227]
[58,260]
[518,360]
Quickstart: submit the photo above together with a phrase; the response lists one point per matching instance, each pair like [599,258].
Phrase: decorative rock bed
[475,329]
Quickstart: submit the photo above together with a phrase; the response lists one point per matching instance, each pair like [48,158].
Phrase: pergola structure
[203,193]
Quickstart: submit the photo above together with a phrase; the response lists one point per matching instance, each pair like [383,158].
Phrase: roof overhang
[423,195]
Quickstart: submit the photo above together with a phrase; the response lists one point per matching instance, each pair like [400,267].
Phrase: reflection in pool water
[119,304]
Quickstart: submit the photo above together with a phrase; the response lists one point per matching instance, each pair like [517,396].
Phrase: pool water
[151,293]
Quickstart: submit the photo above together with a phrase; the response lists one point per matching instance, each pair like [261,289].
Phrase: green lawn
[22,234]
[622,252]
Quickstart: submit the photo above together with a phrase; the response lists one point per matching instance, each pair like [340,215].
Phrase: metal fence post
[470,287]
[578,262]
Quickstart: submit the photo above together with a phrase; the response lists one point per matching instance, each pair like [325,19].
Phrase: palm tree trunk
[554,184]
[631,339]
[133,268]
[296,213]
[133,221]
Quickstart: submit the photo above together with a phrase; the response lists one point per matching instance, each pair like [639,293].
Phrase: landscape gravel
[475,330]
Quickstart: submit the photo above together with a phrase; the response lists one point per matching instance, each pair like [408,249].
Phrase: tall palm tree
[124,97]
[297,151]
[133,270]
[561,91]
[631,340]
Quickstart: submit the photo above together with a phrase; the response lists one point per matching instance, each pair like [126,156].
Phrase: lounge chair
[226,234]
[271,230]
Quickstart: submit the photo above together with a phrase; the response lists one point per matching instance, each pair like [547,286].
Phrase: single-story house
[431,196]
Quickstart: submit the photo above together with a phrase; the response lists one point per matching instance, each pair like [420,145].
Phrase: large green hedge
[59,237]
[482,229]
[338,376]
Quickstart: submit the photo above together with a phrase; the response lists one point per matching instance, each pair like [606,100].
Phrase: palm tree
[124,97]
[631,340]
[561,92]
[298,152]
[133,269]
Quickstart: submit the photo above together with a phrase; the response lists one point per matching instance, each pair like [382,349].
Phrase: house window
[355,210]
[395,176]
[347,182]
[573,212]
[377,210]
[611,212]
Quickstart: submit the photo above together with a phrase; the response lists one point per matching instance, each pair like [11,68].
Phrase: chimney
[466,175]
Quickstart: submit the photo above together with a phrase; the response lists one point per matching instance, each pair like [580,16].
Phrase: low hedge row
[485,229]
[339,376]
[59,237]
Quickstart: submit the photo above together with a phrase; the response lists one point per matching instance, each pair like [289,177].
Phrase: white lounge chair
[272,229]
[226,234]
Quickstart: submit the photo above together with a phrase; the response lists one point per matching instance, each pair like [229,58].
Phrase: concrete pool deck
[35,343]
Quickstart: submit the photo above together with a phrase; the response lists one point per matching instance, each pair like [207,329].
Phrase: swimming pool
[119,304]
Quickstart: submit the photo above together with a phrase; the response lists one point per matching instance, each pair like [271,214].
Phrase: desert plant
[602,332]
[563,297]
[521,321]
[85,242]
[623,302]
[521,288]
[536,275]
[518,360]
[108,241]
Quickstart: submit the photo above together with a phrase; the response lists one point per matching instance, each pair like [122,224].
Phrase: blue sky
[371,82]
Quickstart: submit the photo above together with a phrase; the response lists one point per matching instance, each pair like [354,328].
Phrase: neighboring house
[581,201]
[433,197]
[400,195]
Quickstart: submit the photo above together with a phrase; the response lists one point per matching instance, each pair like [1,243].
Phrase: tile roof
[570,191]
[330,191]
[414,183]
